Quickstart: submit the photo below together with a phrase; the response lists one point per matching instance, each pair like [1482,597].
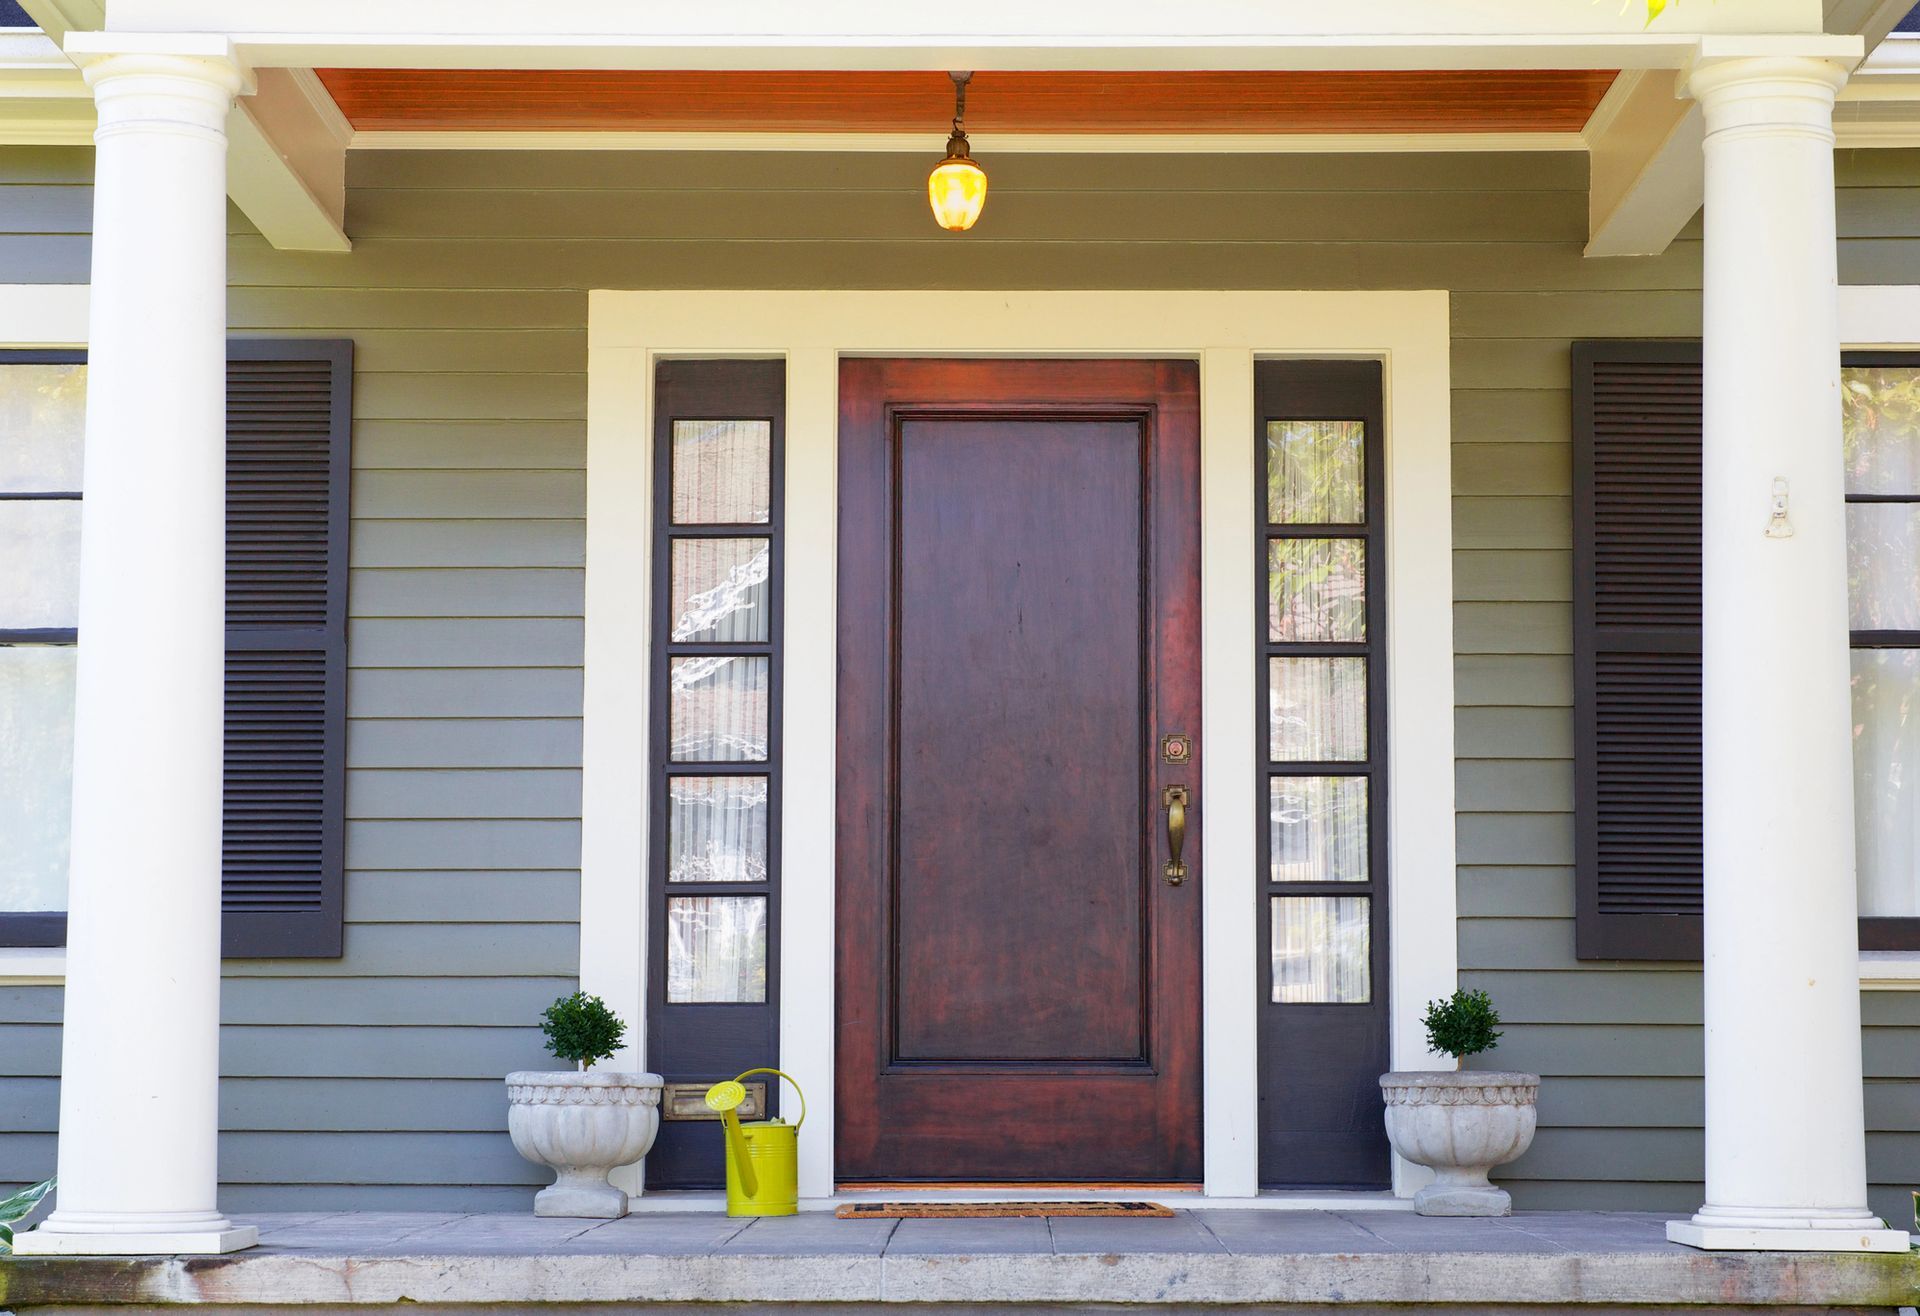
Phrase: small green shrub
[18,1207]
[1465,1024]
[582,1029]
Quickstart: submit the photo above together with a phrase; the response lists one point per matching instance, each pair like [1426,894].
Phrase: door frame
[628,332]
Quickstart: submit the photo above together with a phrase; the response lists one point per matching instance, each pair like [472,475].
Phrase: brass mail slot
[688,1101]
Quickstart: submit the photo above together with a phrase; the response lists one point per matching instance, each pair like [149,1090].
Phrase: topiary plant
[1462,1025]
[582,1029]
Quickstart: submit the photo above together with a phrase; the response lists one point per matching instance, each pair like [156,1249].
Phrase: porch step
[1217,1260]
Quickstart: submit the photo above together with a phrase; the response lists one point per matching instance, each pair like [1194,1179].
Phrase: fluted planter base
[1460,1125]
[582,1125]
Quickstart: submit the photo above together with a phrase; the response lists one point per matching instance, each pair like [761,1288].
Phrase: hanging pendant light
[957,187]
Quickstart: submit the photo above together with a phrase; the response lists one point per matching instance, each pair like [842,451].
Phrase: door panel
[1018,984]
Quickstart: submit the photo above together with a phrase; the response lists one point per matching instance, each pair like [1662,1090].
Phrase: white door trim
[1226,332]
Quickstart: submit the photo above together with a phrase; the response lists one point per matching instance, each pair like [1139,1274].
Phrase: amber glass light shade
[957,189]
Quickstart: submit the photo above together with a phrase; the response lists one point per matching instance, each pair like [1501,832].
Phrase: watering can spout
[763,1159]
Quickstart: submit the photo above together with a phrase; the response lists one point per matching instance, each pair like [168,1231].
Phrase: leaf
[1654,9]
[18,1207]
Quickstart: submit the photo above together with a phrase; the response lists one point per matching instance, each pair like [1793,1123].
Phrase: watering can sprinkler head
[726,1097]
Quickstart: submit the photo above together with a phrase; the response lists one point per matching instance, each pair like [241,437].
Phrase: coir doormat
[994,1210]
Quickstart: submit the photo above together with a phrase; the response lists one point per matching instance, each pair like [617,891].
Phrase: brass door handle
[1176,800]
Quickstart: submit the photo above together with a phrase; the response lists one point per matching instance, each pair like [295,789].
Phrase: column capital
[1770,85]
[183,82]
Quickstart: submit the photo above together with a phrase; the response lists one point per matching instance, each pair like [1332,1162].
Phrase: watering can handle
[796,1088]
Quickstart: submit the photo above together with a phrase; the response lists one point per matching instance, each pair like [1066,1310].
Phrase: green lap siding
[372,1081]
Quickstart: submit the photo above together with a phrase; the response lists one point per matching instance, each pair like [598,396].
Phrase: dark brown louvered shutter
[1636,642]
[288,421]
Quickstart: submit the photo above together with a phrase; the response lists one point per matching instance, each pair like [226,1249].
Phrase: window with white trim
[1881,442]
[42,424]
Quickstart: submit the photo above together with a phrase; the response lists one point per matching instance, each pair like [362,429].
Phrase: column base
[218,1236]
[1870,1235]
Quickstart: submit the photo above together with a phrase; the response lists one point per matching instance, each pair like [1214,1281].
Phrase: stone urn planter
[1460,1125]
[582,1125]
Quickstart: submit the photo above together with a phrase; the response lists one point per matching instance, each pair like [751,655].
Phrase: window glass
[1322,952]
[39,563]
[718,710]
[722,472]
[716,949]
[720,590]
[716,829]
[1318,829]
[43,417]
[1317,590]
[36,771]
[1886,780]
[1318,709]
[1316,472]
[1880,429]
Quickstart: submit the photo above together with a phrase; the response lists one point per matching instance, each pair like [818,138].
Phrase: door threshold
[1282,1199]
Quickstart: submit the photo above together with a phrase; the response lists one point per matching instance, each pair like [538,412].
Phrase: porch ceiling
[1452,101]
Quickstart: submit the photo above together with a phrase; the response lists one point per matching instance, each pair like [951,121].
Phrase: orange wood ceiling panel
[704,101]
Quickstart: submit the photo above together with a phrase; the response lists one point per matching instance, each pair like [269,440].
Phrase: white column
[1785,1140]
[140,1042]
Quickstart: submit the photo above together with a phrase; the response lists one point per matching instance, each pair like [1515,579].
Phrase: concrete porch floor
[1293,1261]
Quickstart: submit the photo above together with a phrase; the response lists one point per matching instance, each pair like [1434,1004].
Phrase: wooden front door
[1019,627]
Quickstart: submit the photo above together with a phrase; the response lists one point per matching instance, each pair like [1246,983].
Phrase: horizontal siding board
[1598,1050]
[542,895]
[464,642]
[1489,786]
[428,542]
[1504,522]
[509,348]
[1565,315]
[437,793]
[297,1050]
[456,396]
[469,495]
[1513,576]
[49,210]
[489,444]
[450,742]
[1504,628]
[267,310]
[1513,733]
[1639,1155]
[431,950]
[372,1105]
[1512,468]
[487,692]
[1136,213]
[1625,996]
[1515,892]
[1498,680]
[476,843]
[455,592]
[455,1159]
[1501,416]
[1514,838]
[387,1002]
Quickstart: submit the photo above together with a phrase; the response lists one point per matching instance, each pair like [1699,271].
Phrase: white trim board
[1226,332]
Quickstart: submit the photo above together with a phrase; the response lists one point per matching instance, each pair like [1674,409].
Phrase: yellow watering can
[763,1157]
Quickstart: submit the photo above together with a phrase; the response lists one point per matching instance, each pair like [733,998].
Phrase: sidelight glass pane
[36,776]
[1317,709]
[1318,829]
[43,415]
[1316,472]
[1880,429]
[719,709]
[722,472]
[39,564]
[716,829]
[720,590]
[1317,590]
[1886,780]
[1322,952]
[1883,566]
[716,949]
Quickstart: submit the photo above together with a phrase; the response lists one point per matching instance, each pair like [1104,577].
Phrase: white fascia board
[287,161]
[1004,34]
[1648,173]
[43,99]
[59,17]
